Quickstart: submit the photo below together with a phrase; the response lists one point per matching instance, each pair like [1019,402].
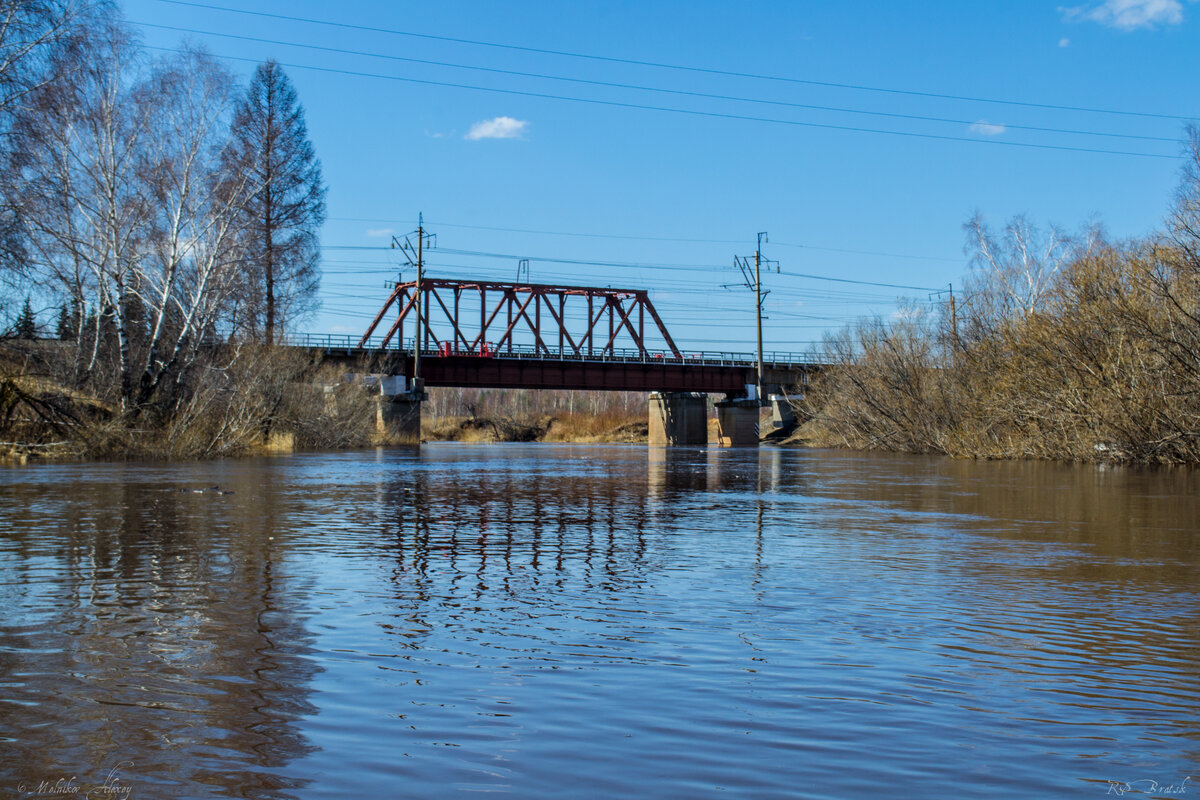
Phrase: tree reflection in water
[149,641]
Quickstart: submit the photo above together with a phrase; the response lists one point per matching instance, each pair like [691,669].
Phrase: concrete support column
[737,423]
[678,418]
[783,416]
[398,411]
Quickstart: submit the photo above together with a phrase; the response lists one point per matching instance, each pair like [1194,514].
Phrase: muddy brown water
[599,621]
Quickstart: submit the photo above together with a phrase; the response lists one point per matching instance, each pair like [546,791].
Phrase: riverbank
[274,406]
[234,401]
[150,445]
[912,386]
[578,428]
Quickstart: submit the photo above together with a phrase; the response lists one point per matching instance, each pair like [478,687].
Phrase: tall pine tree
[26,326]
[286,207]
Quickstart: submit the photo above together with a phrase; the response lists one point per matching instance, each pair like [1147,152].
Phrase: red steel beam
[512,323]
[538,373]
[613,304]
[620,307]
[399,320]
[379,317]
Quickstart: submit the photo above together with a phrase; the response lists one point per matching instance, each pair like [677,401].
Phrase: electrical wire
[648,266]
[695,113]
[548,233]
[685,68]
[868,252]
[655,238]
[656,89]
[617,264]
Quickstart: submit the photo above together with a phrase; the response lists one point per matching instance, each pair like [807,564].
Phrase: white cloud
[497,128]
[1128,15]
[985,128]
[1064,42]
[377,232]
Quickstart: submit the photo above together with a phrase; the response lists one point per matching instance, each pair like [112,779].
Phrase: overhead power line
[551,233]
[682,239]
[860,283]
[578,262]
[657,89]
[681,67]
[868,252]
[632,265]
[694,113]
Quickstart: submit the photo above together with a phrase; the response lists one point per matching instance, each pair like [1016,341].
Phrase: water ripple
[607,621]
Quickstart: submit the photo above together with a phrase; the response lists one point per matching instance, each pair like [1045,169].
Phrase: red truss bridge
[537,336]
[614,306]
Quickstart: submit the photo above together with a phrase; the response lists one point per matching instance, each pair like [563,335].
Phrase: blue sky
[506,173]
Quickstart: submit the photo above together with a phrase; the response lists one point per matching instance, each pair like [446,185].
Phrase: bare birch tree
[127,207]
[30,31]
[34,35]
[83,204]
[190,270]
[1014,270]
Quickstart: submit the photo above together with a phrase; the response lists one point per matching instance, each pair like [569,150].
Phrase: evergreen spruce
[26,327]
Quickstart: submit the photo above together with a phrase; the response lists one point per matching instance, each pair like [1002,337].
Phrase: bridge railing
[332,341]
[352,345]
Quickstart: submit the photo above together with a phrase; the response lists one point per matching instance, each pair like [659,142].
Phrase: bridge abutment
[678,418]
[737,423]
[398,410]
[783,415]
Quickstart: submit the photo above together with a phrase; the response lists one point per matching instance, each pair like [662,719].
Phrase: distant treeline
[529,404]
[1062,346]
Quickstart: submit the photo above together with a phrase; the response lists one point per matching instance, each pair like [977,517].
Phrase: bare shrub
[885,389]
[1073,349]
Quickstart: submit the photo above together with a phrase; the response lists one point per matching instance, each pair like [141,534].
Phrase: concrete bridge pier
[737,423]
[678,418]
[398,410]
[783,415]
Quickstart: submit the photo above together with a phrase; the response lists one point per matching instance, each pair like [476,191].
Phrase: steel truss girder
[619,305]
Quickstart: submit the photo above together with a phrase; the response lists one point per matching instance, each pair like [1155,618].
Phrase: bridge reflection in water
[521,529]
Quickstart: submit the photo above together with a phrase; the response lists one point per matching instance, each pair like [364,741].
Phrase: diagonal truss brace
[521,304]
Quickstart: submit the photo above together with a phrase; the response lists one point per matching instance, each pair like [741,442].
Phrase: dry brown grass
[607,427]
[594,428]
[478,429]
[249,400]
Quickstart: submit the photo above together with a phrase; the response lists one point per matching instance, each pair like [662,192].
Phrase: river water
[578,621]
